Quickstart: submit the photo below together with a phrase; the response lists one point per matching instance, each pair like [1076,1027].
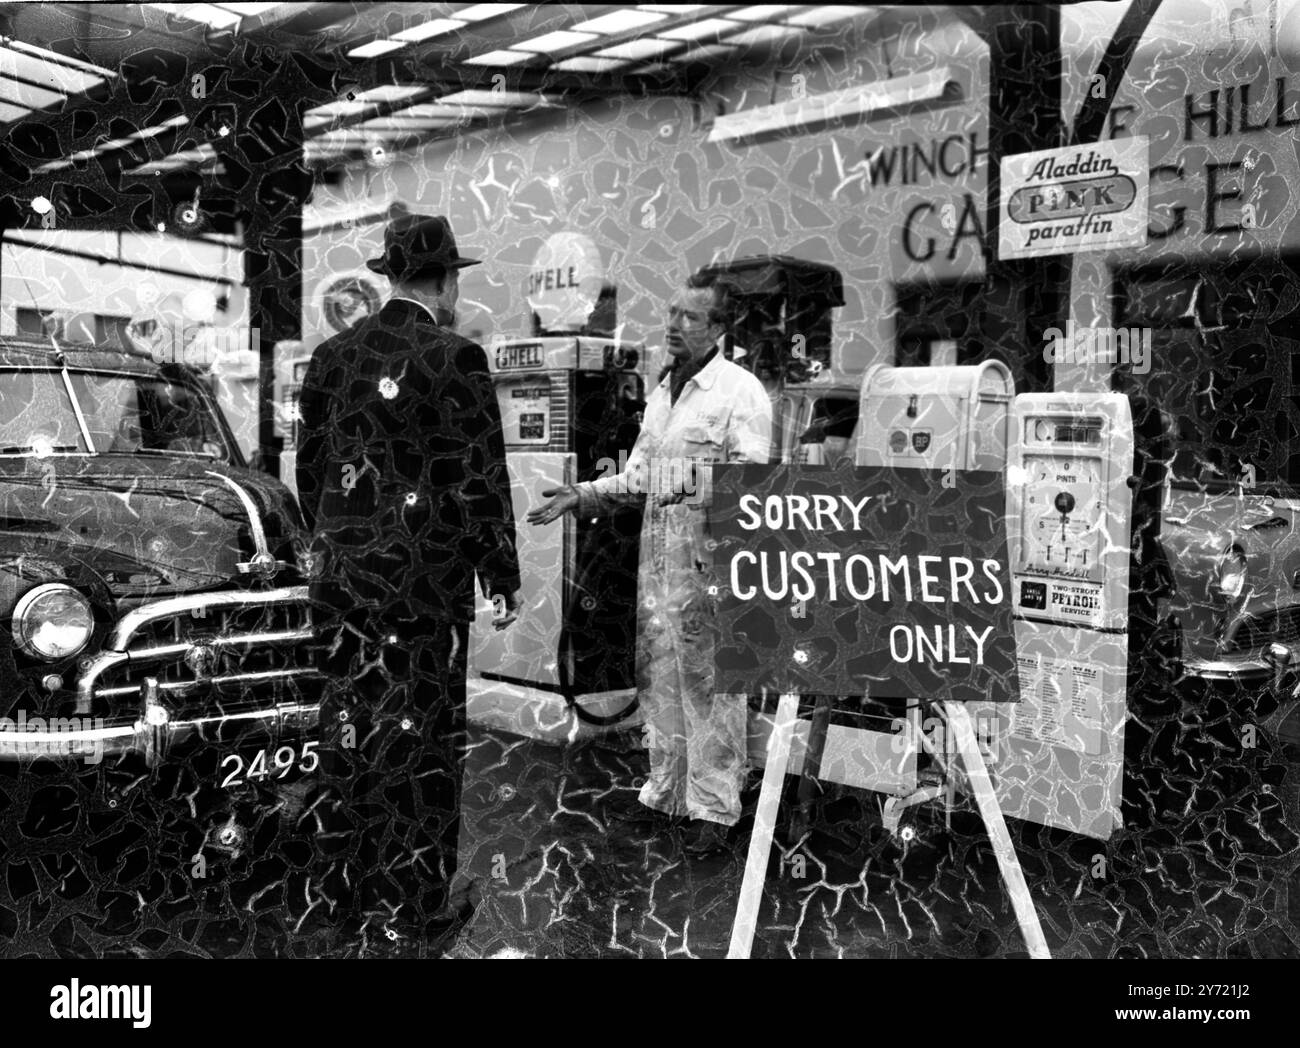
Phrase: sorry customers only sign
[866,580]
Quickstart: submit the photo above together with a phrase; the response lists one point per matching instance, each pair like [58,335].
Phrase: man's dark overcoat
[402,477]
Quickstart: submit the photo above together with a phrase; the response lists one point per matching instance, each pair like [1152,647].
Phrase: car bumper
[1274,663]
[168,682]
[154,734]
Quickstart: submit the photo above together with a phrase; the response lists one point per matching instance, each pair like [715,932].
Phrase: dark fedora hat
[415,244]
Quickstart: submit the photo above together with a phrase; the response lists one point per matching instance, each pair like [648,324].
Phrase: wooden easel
[778,760]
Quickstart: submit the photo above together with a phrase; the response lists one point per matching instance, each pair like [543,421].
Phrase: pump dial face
[1063,526]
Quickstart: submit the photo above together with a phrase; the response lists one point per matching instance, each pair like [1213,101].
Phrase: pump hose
[566,684]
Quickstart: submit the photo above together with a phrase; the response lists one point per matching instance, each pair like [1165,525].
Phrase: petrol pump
[571,404]
[290,367]
[780,329]
[570,409]
[938,418]
[1069,503]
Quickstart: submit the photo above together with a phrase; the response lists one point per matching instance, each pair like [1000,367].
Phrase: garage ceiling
[79,83]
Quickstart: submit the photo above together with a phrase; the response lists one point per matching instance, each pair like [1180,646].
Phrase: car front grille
[229,649]
[1259,631]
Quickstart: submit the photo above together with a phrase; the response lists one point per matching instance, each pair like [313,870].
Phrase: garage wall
[1197,55]
[638,176]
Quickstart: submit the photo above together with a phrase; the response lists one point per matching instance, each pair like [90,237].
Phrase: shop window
[34,323]
[81,329]
[1217,394]
[937,324]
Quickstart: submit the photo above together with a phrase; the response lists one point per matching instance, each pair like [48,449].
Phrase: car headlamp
[1232,573]
[52,621]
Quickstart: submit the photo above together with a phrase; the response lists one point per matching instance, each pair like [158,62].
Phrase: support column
[1022,297]
[269,147]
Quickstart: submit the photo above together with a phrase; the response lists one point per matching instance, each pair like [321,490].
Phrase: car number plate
[269,764]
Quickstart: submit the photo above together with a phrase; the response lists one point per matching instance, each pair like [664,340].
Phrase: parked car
[151,584]
[1231,607]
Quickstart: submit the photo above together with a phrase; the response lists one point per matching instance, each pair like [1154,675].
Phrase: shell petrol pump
[571,410]
[290,366]
[571,402]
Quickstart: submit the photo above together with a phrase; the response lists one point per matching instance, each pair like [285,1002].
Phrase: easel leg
[960,725]
[812,766]
[760,840]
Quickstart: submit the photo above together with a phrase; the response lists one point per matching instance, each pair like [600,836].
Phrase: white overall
[696,739]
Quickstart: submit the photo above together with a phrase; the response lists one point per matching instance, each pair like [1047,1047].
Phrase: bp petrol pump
[946,418]
[919,418]
[571,404]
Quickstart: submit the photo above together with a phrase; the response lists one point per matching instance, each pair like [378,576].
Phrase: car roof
[19,352]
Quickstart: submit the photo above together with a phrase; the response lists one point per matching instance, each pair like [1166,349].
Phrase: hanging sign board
[1080,198]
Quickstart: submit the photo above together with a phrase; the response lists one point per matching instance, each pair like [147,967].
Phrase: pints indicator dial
[1063,529]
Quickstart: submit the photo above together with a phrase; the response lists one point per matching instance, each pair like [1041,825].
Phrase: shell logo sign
[565,281]
[343,300]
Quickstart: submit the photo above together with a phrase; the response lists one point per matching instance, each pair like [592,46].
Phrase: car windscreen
[36,414]
[147,414]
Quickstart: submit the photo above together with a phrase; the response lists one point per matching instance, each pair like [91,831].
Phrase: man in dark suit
[402,477]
